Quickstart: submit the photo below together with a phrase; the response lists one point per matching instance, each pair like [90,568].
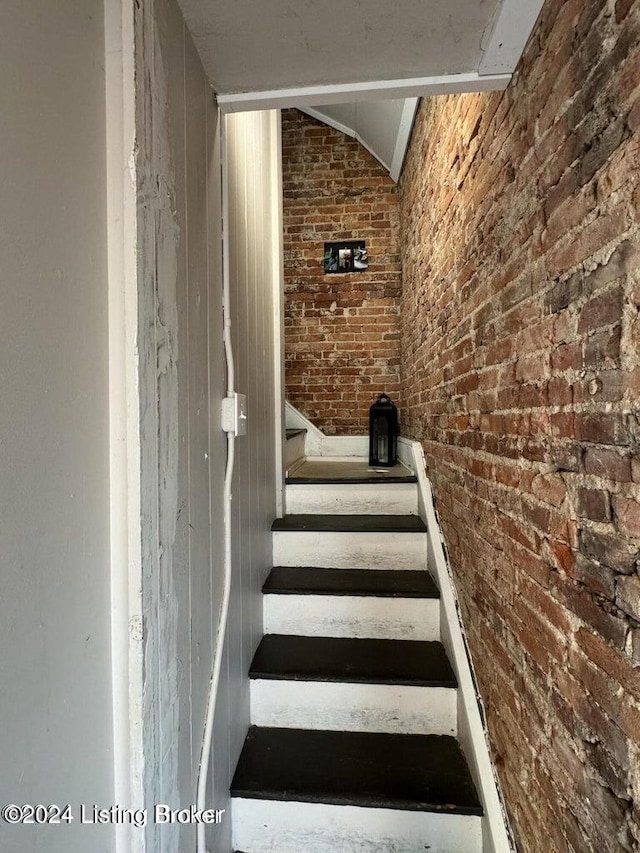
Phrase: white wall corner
[505,38]
[127,625]
[404,133]
[277,201]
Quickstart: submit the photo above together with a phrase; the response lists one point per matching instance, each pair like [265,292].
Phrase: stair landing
[320,471]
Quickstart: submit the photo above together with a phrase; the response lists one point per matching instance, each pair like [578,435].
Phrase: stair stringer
[317,444]
[472,731]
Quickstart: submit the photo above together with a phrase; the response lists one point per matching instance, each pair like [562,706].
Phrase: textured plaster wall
[521,377]
[181,385]
[182,380]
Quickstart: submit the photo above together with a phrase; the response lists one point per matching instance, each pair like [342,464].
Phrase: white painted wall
[181,385]
[182,382]
[55,700]
[253,176]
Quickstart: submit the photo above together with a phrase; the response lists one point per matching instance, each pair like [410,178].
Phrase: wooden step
[330,659]
[373,479]
[350,541]
[320,470]
[350,524]
[296,580]
[408,772]
[353,685]
[358,603]
[308,790]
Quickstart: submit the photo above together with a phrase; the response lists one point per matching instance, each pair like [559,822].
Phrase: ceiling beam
[308,96]
[505,41]
[402,141]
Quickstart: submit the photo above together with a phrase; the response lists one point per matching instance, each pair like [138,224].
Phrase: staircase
[352,747]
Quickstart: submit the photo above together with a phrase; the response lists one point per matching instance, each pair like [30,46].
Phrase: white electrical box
[234,414]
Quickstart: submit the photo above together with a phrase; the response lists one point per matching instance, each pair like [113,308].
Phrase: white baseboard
[472,732]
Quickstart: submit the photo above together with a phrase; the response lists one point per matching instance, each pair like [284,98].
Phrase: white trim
[296,420]
[289,827]
[279,310]
[345,92]
[350,706]
[503,44]
[343,128]
[471,729]
[352,550]
[339,446]
[127,648]
[352,498]
[402,141]
[359,616]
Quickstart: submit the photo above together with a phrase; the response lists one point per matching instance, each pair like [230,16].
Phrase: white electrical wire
[203,772]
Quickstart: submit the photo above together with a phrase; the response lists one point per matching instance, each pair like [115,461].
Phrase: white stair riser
[357,499]
[350,550]
[264,826]
[339,706]
[352,616]
[294,449]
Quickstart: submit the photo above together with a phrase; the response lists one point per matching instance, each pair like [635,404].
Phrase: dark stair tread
[388,583]
[410,772]
[332,481]
[406,662]
[351,523]
[292,433]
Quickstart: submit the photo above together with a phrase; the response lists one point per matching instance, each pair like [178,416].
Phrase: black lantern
[383,433]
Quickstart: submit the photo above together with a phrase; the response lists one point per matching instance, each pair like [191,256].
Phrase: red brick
[549,488]
[610,549]
[604,309]
[602,350]
[628,596]
[609,428]
[609,660]
[593,504]
[607,463]
[602,231]
[622,9]
[597,579]
[325,315]
[627,513]
[525,242]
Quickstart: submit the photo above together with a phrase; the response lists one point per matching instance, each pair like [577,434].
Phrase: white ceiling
[383,127]
[276,53]
[358,65]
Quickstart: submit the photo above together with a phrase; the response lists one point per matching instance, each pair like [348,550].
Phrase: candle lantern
[383,433]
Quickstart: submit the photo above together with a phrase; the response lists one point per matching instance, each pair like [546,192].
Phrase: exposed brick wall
[521,377]
[342,341]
